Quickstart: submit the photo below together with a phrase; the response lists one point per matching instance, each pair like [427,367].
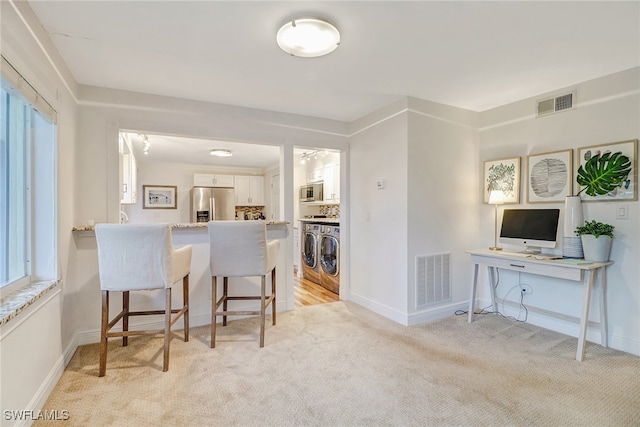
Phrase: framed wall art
[549,176]
[159,197]
[625,187]
[502,174]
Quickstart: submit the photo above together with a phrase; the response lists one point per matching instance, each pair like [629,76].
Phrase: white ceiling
[475,55]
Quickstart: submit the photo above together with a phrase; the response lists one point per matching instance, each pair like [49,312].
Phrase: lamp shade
[496,197]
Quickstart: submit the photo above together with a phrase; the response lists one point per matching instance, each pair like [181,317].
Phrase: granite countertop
[322,220]
[177,226]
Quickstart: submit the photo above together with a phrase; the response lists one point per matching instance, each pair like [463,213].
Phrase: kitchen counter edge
[177,226]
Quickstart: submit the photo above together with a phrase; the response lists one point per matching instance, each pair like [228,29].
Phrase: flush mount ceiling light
[220,152]
[308,37]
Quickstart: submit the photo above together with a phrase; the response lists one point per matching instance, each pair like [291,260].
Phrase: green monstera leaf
[603,173]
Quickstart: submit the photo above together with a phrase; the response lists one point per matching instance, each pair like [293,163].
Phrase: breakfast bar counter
[196,235]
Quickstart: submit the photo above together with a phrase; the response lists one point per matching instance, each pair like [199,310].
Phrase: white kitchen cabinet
[129,174]
[249,190]
[315,175]
[212,180]
[331,189]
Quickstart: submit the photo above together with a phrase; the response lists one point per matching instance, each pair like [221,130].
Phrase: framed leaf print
[502,174]
[608,172]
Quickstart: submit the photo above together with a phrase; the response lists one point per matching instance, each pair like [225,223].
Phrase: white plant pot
[596,249]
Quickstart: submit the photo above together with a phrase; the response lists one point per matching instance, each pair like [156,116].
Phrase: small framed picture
[502,174]
[549,176]
[159,197]
[628,188]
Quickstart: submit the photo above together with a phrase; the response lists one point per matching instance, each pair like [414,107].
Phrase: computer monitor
[532,228]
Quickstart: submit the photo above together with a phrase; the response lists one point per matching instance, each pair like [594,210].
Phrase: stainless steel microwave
[311,192]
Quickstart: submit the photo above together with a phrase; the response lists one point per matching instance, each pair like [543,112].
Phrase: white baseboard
[436,313]
[380,309]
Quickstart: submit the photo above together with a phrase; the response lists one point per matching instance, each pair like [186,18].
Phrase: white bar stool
[136,257]
[240,248]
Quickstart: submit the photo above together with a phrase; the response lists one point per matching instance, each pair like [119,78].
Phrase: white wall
[378,218]
[608,110]
[442,165]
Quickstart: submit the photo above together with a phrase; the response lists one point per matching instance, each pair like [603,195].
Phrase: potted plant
[596,240]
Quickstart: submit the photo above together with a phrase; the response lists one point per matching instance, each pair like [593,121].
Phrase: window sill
[17,302]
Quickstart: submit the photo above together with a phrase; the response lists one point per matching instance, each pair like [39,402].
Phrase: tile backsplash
[331,211]
[249,212]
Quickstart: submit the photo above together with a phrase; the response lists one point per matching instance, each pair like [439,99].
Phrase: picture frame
[549,176]
[502,174]
[628,191]
[159,197]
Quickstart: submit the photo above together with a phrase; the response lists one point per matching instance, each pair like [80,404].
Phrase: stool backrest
[238,248]
[134,256]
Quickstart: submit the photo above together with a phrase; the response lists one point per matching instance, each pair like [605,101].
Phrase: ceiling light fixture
[220,152]
[308,37]
[145,143]
[312,155]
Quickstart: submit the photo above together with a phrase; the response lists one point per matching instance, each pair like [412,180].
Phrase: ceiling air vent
[556,104]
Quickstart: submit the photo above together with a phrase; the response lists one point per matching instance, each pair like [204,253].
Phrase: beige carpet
[340,365]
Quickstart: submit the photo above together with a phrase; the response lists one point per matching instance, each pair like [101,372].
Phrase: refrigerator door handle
[212,212]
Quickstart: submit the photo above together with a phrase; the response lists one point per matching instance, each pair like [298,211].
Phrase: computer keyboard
[532,256]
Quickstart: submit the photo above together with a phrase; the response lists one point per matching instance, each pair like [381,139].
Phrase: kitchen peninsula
[196,234]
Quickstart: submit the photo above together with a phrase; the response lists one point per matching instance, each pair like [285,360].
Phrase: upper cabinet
[211,180]
[315,175]
[128,173]
[249,190]
[331,188]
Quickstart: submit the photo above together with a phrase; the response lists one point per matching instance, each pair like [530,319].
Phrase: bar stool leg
[185,304]
[214,304]
[103,333]
[125,317]
[167,329]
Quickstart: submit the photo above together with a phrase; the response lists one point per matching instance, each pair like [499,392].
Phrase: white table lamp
[496,197]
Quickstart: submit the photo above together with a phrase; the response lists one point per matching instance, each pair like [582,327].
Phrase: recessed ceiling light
[220,152]
[308,37]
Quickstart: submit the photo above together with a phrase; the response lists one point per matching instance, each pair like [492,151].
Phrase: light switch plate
[622,212]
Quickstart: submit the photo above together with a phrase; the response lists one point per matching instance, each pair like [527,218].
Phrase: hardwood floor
[309,293]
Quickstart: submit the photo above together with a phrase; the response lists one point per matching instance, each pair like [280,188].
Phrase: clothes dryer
[330,257]
[310,252]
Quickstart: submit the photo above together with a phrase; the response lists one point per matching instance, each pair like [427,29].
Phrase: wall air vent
[556,104]
[433,279]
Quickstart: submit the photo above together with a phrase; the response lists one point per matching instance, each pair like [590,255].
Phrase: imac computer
[532,228]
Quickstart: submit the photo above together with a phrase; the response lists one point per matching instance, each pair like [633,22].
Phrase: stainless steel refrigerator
[208,203]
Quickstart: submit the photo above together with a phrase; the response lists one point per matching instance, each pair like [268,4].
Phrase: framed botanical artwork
[502,174]
[620,180]
[159,197]
[549,176]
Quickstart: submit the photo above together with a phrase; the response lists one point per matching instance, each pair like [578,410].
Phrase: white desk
[577,270]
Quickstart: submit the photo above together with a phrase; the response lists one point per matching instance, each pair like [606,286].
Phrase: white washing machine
[310,257]
[330,257]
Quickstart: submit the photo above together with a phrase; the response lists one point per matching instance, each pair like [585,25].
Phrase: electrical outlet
[526,289]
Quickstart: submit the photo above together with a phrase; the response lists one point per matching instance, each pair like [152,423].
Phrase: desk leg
[492,284]
[584,320]
[472,297]
[602,276]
